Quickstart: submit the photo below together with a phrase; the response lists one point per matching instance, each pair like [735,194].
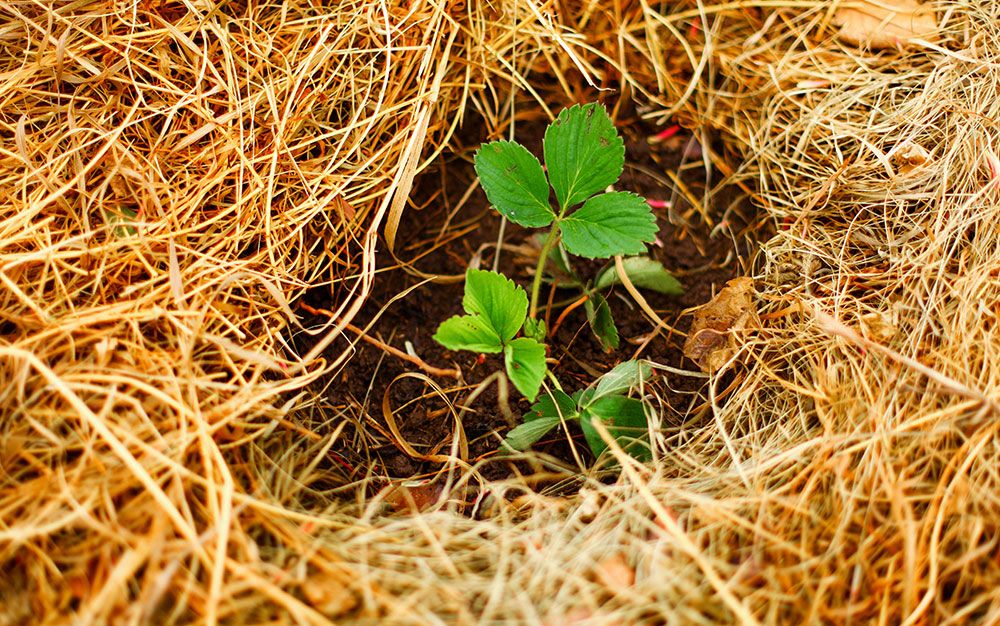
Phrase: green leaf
[468,332]
[622,378]
[601,321]
[524,435]
[611,224]
[553,403]
[644,272]
[535,329]
[515,183]
[550,410]
[626,421]
[525,361]
[583,153]
[502,303]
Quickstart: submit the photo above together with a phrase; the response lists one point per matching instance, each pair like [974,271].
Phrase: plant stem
[543,257]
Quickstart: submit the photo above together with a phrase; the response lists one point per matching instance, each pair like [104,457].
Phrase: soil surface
[448,223]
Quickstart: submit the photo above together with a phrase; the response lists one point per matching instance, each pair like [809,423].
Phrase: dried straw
[173,176]
[176,176]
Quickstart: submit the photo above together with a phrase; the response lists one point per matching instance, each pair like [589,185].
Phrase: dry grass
[174,177]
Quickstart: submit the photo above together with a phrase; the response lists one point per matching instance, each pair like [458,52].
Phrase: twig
[562,316]
[415,360]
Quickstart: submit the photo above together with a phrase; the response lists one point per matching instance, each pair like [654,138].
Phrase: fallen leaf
[713,338]
[328,595]
[909,156]
[880,24]
[413,496]
[614,572]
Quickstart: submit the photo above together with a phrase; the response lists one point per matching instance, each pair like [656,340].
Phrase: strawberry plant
[584,156]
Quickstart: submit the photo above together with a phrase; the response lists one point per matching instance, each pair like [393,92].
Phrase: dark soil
[702,257]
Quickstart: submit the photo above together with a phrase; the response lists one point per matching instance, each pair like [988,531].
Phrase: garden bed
[448,227]
[186,436]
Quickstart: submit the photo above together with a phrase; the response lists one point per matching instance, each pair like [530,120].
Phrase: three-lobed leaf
[524,359]
[625,419]
[496,309]
[611,224]
[501,303]
[514,183]
[468,332]
[583,153]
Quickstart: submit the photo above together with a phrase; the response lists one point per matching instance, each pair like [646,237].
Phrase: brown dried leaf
[614,572]
[909,156]
[879,24]
[328,594]
[412,496]
[713,338]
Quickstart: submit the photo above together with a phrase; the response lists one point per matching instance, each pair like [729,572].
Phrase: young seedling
[606,400]
[584,156]
[496,310]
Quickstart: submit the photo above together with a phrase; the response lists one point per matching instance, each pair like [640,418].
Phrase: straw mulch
[175,176]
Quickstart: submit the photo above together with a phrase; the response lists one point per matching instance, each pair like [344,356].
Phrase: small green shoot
[606,400]
[584,155]
[496,310]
